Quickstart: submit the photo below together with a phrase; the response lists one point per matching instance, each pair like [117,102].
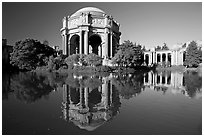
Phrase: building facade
[174,57]
[90,30]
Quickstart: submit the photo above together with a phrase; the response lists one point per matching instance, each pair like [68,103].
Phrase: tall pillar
[153,54]
[105,93]
[111,45]
[150,59]
[106,45]
[160,77]
[144,58]
[99,50]
[176,61]
[86,47]
[81,43]
[86,95]
[172,58]
[181,58]
[166,57]
[81,96]
[160,57]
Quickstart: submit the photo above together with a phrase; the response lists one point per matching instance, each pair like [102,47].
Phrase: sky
[149,23]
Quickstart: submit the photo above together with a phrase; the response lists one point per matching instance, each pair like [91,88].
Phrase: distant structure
[174,56]
[90,30]
[6,50]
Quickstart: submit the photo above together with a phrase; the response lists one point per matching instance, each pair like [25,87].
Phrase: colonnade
[176,57]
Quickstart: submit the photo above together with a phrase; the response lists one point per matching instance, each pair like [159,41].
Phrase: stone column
[166,57]
[81,96]
[176,61]
[150,59]
[155,80]
[181,58]
[166,78]
[106,45]
[111,45]
[153,54]
[150,78]
[160,57]
[105,93]
[86,95]
[172,58]
[80,41]
[99,50]
[86,47]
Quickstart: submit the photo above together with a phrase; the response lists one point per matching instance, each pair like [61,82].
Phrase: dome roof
[92,10]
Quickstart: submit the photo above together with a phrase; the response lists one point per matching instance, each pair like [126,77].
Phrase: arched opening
[74,95]
[74,44]
[95,43]
[94,97]
[184,56]
[114,44]
[163,57]
[158,58]
[169,58]
[147,59]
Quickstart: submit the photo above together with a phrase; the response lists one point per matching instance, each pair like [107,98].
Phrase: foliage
[128,54]
[29,87]
[165,47]
[128,86]
[93,60]
[193,55]
[29,53]
[72,59]
[158,48]
[193,83]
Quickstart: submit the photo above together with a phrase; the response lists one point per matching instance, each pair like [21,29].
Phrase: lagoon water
[167,103]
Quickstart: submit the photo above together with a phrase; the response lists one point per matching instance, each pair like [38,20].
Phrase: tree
[93,60]
[193,55]
[165,47]
[158,48]
[29,53]
[128,54]
[184,45]
[143,49]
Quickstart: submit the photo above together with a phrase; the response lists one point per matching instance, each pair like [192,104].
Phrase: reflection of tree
[193,83]
[83,81]
[129,86]
[30,87]
[5,85]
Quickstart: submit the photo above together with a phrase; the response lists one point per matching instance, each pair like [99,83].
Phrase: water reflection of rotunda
[88,107]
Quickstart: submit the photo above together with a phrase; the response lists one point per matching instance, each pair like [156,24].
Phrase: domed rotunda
[90,30]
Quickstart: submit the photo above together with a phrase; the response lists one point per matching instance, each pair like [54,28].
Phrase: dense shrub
[29,53]
[93,60]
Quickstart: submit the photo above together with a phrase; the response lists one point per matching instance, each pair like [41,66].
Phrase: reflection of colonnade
[174,57]
[87,107]
[174,80]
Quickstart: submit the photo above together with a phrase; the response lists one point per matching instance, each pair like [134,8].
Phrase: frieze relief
[74,22]
[98,22]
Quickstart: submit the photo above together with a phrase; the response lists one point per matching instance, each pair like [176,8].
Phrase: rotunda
[90,30]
